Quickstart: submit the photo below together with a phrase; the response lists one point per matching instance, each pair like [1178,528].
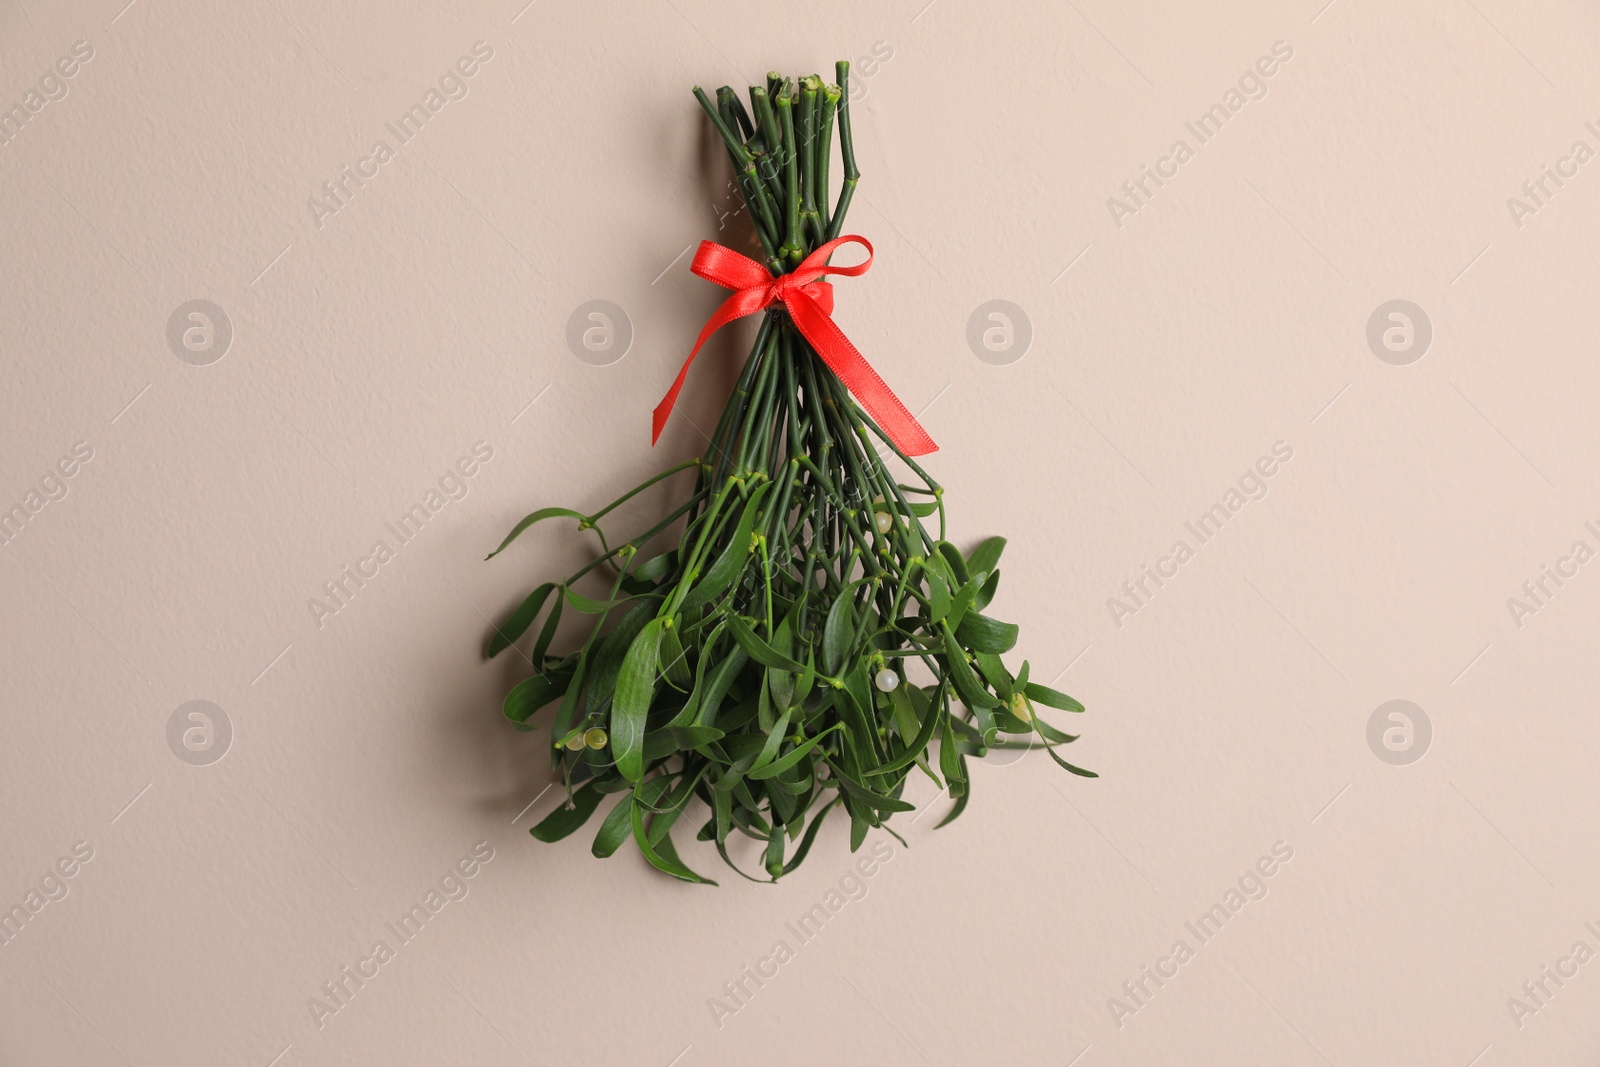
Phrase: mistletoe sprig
[766,664]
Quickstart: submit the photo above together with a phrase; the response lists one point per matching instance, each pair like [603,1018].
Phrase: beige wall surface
[1322,271]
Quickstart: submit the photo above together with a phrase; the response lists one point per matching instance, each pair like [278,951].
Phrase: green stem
[766,574]
[847,152]
[763,212]
[791,250]
[755,434]
[691,566]
[630,494]
[830,104]
[642,539]
[734,412]
[809,145]
[733,113]
[770,165]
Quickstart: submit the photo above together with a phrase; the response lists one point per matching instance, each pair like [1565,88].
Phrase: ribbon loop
[807,295]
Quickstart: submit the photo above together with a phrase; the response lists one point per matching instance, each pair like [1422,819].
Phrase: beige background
[1228,714]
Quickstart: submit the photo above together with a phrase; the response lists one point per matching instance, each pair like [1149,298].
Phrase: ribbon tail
[663,411]
[737,306]
[858,376]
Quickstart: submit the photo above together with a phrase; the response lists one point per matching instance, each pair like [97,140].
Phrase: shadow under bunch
[765,663]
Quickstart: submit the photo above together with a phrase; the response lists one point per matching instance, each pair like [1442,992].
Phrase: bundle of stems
[764,664]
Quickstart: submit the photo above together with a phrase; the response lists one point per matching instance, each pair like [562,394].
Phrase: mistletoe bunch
[806,644]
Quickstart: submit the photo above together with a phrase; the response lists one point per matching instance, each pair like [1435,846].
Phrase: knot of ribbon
[807,295]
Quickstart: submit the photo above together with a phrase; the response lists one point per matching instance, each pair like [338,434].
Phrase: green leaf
[1051,734]
[966,683]
[860,731]
[793,756]
[775,739]
[648,793]
[592,607]
[670,739]
[774,860]
[839,628]
[961,802]
[636,687]
[922,511]
[518,621]
[547,633]
[1079,771]
[657,567]
[537,516]
[987,591]
[722,804]
[663,856]
[758,649]
[565,820]
[949,754]
[858,827]
[747,818]
[531,694]
[938,595]
[876,801]
[958,565]
[615,829]
[904,716]
[915,747]
[721,680]
[1050,698]
[607,659]
[738,717]
[664,819]
[719,577]
[859,682]
[810,836]
[960,602]
[782,786]
[802,688]
[968,737]
[994,671]
[765,716]
[722,849]
[986,555]
[691,707]
[674,660]
[1052,737]
[1007,723]
[780,684]
[983,634]
[695,736]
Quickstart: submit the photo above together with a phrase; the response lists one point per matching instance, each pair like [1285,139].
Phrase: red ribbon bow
[809,300]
